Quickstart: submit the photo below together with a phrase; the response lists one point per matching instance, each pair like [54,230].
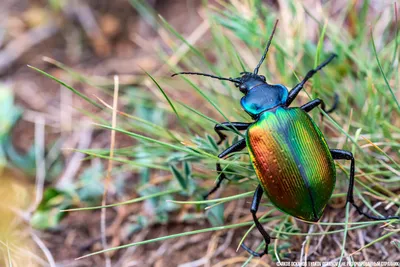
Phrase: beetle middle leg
[225,126]
[233,148]
[316,102]
[254,208]
[347,155]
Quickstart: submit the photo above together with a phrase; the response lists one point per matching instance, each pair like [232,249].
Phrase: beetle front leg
[233,148]
[347,155]
[254,208]
[226,126]
[295,91]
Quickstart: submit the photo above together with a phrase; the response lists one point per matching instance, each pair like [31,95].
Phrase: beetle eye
[263,78]
[242,88]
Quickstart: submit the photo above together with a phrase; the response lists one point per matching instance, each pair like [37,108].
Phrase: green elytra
[279,144]
[290,156]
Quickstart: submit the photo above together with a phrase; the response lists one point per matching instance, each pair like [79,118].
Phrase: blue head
[259,96]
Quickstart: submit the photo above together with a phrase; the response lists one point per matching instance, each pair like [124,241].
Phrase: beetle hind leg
[343,154]
[254,208]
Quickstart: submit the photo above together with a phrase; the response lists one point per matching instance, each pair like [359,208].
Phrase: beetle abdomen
[292,161]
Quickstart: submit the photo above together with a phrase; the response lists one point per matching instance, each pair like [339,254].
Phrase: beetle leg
[295,91]
[316,102]
[226,126]
[233,148]
[254,208]
[343,154]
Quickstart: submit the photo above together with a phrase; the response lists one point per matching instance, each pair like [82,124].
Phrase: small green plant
[10,156]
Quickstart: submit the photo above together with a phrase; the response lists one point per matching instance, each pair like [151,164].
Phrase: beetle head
[249,80]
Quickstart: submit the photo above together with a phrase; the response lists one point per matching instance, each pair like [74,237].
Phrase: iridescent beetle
[290,156]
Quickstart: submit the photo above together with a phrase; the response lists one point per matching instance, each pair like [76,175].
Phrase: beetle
[291,158]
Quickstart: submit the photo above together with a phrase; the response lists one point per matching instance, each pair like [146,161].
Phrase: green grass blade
[383,74]
[146,11]
[225,199]
[74,74]
[197,152]
[169,102]
[218,228]
[192,48]
[168,192]
[67,86]
[345,233]
[320,44]
[377,240]
[122,160]
[396,45]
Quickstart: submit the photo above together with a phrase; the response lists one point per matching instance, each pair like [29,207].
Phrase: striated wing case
[292,161]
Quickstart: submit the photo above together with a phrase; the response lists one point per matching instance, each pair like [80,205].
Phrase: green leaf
[48,214]
[216,215]
[9,113]
[178,176]
[396,243]
[25,162]
[91,186]
[212,142]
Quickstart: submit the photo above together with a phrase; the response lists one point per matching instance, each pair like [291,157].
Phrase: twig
[228,239]
[45,250]
[321,238]
[66,112]
[109,170]
[89,24]
[361,236]
[305,246]
[39,160]
[85,138]
[128,253]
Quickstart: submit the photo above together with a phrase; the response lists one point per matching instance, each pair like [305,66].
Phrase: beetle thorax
[263,97]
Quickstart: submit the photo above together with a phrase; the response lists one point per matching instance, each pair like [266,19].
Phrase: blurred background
[53,157]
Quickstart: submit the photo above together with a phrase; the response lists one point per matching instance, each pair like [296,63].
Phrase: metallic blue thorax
[263,97]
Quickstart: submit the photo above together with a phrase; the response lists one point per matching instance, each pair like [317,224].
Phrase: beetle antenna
[266,49]
[207,75]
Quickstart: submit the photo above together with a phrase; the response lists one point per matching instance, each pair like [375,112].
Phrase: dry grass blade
[107,181]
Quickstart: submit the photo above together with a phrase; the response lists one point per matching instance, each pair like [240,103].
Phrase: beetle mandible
[291,158]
